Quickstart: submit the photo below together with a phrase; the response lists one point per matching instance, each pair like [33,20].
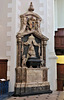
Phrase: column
[19,50]
[51,57]
[18,69]
[44,52]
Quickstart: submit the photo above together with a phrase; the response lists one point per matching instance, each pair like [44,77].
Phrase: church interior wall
[59,15]
[11,25]
[60,7]
[3,28]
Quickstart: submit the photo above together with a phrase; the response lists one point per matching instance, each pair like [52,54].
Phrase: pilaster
[8,43]
[44,52]
[19,50]
[51,57]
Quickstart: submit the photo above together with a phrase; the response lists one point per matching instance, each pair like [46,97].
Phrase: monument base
[23,91]
[34,81]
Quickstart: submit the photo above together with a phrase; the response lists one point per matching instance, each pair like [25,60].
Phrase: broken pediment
[30,22]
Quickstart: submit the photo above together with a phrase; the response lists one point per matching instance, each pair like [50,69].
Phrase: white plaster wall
[59,15]
[4,39]
[60,7]
[55,15]
[3,28]
[8,37]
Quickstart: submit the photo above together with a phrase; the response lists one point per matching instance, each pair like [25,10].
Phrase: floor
[56,95]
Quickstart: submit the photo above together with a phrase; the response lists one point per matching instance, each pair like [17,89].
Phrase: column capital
[45,43]
[18,37]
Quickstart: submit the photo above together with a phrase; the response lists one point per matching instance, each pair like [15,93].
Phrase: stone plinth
[34,80]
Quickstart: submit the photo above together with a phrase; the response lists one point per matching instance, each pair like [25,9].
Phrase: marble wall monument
[31,70]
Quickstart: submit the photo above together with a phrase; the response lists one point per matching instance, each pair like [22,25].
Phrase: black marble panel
[25,39]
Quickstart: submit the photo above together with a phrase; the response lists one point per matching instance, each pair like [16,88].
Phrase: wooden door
[60,76]
[3,68]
